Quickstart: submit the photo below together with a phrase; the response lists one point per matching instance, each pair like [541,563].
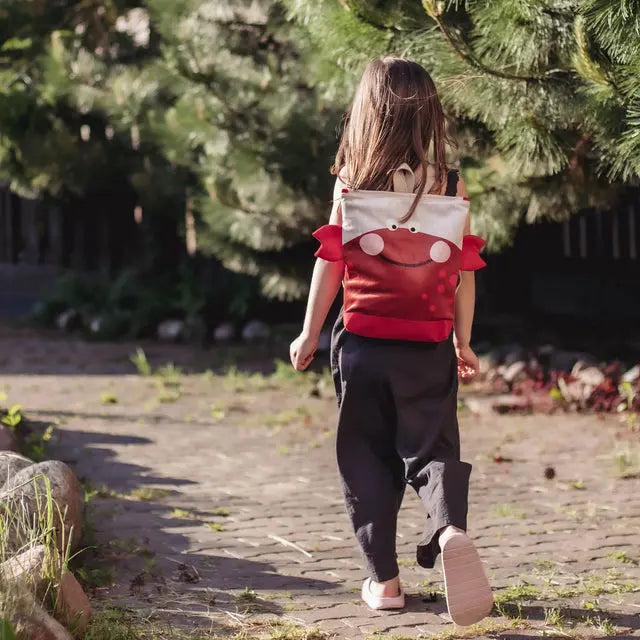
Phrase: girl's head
[396,117]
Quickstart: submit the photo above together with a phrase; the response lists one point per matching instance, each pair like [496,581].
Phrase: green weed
[214,526]
[96,577]
[181,513]
[13,416]
[602,625]
[626,463]
[508,511]
[554,618]
[139,359]
[107,397]
[149,493]
[623,557]
[111,624]
[247,595]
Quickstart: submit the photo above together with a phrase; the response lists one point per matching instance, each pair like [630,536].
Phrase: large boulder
[72,605]
[39,625]
[10,464]
[34,569]
[26,567]
[27,490]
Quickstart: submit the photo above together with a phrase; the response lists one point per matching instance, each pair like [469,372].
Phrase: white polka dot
[440,251]
[372,244]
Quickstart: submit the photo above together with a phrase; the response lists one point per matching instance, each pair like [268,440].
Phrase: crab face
[413,274]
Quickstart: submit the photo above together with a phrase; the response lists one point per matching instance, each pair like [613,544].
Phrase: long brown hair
[396,117]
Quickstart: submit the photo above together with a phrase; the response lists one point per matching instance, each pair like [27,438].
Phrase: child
[399,241]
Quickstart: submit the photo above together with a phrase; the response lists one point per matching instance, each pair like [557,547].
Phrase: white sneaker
[381,602]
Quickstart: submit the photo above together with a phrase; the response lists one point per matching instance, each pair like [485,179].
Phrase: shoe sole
[469,597]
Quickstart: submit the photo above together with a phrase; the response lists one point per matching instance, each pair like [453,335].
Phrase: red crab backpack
[400,278]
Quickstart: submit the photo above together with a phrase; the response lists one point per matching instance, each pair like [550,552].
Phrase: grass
[622,557]
[247,595]
[23,527]
[214,526]
[139,359]
[148,493]
[602,625]
[626,463]
[595,585]
[221,511]
[576,484]
[111,624]
[508,511]
[488,627]
[182,513]
[98,491]
[96,577]
[407,562]
[554,618]
[116,624]
[107,397]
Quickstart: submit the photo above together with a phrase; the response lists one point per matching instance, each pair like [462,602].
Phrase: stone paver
[253,501]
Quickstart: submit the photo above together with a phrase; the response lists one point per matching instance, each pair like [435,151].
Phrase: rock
[560,360]
[95,324]
[324,342]
[68,320]
[73,607]
[255,330]
[28,487]
[11,463]
[8,441]
[509,403]
[590,376]
[512,371]
[39,625]
[514,353]
[171,330]
[224,332]
[25,565]
[632,375]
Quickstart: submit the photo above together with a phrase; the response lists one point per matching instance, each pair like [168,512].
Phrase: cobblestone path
[217,503]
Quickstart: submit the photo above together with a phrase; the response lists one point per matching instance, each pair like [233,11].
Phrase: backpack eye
[414,228]
[392,226]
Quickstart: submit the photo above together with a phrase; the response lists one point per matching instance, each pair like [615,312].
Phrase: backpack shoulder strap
[404,179]
[452,183]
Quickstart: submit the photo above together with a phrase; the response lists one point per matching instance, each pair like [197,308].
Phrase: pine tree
[544,94]
[49,146]
[229,106]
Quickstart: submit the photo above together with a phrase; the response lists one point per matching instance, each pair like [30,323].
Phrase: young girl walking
[398,241]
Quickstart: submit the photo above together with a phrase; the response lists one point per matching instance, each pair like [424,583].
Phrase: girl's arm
[325,284]
[464,310]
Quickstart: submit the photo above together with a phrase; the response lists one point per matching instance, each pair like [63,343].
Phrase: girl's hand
[468,363]
[302,351]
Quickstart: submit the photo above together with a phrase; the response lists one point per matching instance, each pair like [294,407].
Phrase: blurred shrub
[201,293]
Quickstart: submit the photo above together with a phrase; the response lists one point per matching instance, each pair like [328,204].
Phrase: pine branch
[465,53]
